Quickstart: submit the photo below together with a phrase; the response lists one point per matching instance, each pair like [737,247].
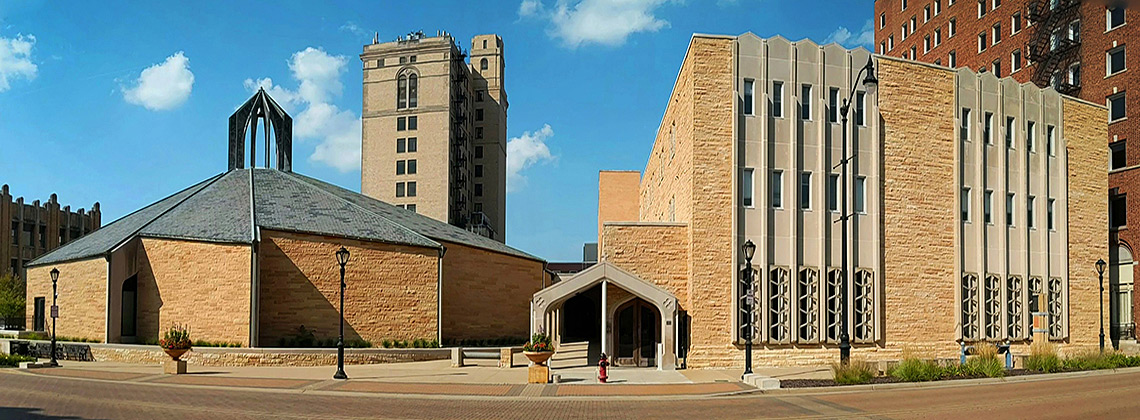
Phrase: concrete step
[571,355]
[1129,347]
[35,365]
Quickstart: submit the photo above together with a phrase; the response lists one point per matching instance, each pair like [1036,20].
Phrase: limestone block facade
[748,148]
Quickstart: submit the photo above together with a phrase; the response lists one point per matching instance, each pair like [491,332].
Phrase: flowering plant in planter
[176,338]
[540,342]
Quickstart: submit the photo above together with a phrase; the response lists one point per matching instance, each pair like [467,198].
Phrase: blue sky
[127,103]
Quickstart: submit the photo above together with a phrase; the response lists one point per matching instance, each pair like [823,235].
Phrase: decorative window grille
[833,301]
[1054,305]
[864,311]
[970,313]
[747,306]
[1035,286]
[1015,310]
[807,291]
[993,303]
[779,299]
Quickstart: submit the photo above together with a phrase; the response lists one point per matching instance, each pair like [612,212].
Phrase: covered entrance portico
[630,320]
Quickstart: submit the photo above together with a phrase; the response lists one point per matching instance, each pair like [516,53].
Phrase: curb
[953,383]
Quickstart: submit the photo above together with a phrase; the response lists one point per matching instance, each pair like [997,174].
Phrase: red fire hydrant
[602,363]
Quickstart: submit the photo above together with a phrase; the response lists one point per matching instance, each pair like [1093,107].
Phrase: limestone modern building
[34,228]
[969,194]
[247,256]
[435,129]
[1080,48]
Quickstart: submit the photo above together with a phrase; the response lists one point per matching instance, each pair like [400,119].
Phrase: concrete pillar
[605,322]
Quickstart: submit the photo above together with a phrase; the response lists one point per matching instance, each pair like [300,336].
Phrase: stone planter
[175,354]
[539,372]
[539,357]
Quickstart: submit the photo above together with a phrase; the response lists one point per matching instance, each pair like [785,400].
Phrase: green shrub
[1043,358]
[204,343]
[13,360]
[856,372]
[985,362]
[917,370]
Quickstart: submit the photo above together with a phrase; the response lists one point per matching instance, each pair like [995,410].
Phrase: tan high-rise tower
[434,138]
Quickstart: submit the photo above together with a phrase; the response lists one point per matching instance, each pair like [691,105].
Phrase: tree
[12,302]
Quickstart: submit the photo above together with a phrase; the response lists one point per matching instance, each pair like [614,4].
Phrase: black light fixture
[1100,266]
[342,259]
[749,249]
[871,86]
[54,311]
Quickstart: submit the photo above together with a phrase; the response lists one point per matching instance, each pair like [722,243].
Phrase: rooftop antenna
[375,38]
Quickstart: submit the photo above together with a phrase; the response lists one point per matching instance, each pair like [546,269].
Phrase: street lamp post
[1100,265]
[54,312]
[749,249]
[342,259]
[870,83]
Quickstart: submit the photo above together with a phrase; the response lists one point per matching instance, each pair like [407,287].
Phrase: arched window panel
[1015,309]
[779,306]
[808,313]
[832,305]
[863,313]
[413,90]
[970,313]
[483,64]
[992,298]
[1056,307]
[402,92]
[747,310]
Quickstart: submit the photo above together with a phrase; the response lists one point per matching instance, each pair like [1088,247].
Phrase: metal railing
[12,324]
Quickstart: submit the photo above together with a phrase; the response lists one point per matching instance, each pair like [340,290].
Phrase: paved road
[42,397]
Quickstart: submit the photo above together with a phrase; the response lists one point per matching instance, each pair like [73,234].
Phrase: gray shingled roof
[218,210]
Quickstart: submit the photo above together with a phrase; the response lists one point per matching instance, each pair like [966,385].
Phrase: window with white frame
[1116,107]
[982,8]
[996,4]
[1075,31]
[777,99]
[805,190]
[1075,74]
[1114,17]
[988,207]
[749,96]
[982,42]
[964,125]
[1031,136]
[1051,212]
[1015,61]
[996,33]
[926,44]
[777,189]
[1115,60]
[996,67]
[952,59]
[903,31]
[746,189]
[805,102]
[1117,155]
[937,37]
[904,2]
[913,52]
[1009,128]
[1010,206]
[833,192]
[988,128]
[1031,212]
[1051,139]
[833,105]
[966,204]
[937,7]
[913,23]
[926,14]
[882,20]
[1015,23]
[891,43]
[860,194]
[883,47]
[952,28]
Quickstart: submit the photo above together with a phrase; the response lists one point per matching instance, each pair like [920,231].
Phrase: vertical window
[904,4]
[1075,31]
[982,42]
[411,208]
[966,204]
[833,192]
[952,59]
[952,28]
[904,32]
[478,171]
[988,128]
[1115,60]
[478,152]
[401,145]
[1015,23]
[401,167]
[400,190]
[1015,61]
[479,95]
[1010,206]
[1075,74]
[997,3]
[937,37]
[479,114]
[926,14]
[1051,212]
[926,44]
[478,190]
[478,132]
[860,194]
[777,188]
[891,43]
[1117,211]
[401,124]
[996,67]
[913,23]
[860,107]
[1117,155]
[483,64]
[1050,140]
[1031,136]
[412,122]
[411,167]
[749,94]
[882,20]
[988,207]
[833,105]
[997,33]
[39,314]
[805,190]
[1009,127]
[981,8]
[1115,17]
[913,52]
[413,90]
[411,189]
[1031,212]
[402,91]
[778,99]
[746,190]
[964,125]
[937,7]
[805,102]
[1116,107]
[411,144]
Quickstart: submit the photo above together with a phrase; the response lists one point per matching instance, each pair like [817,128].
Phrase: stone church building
[247,256]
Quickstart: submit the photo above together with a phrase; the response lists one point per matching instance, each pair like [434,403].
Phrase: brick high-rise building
[1080,48]
[37,229]
[435,124]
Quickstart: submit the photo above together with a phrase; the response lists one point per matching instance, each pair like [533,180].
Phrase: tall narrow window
[964,125]
[1015,23]
[952,28]
[402,92]
[1031,136]
[778,99]
[808,314]
[746,187]
[805,102]
[952,59]
[833,192]
[988,206]
[861,194]
[1015,61]
[1115,60]
[988,128]
[413,90]
[966,204]
[805,190]
[1051,140]
[779,304]
[996,33]
[1115,17]
[411,144]
[412,122]
[833,105]
[982,45]
[1117,155]
[411,189]
[777,189]
[1051,212]
[1010,206]
[1031,212]
[1118,211]
[483,64]
[1116,107]
[1010,125]
[749,94]
[401,124]
[971,312]
[860,107]
[863,313]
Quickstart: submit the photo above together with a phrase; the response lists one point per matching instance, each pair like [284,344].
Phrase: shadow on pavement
[32,413]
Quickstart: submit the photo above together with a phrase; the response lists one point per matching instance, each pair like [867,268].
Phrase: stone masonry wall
[618,198]
[82,288]
[655,252]
[1085,130]
[204,287]
[487,294]
[390,293]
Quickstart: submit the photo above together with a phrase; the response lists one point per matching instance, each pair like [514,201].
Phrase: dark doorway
[38,315]
[129,309]
[582,322]
[638,334]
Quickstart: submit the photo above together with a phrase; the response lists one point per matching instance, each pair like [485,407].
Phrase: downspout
[254,273]
[439,298]
[107,312]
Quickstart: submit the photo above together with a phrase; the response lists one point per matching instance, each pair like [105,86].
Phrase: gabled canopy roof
[227,208]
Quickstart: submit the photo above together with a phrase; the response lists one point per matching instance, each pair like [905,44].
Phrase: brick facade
[82,288]
[487,294]
[618,199]
[390,293]
[656,252]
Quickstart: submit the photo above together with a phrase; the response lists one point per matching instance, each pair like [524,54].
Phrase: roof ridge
[339,198]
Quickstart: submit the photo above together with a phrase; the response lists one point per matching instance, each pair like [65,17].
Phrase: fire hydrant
[602,363]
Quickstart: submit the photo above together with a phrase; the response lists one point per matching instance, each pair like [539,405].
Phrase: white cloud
[163,86]
[338,131]
[16,59]
[352,28]
[604,22]
[865,37]
[526,151]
